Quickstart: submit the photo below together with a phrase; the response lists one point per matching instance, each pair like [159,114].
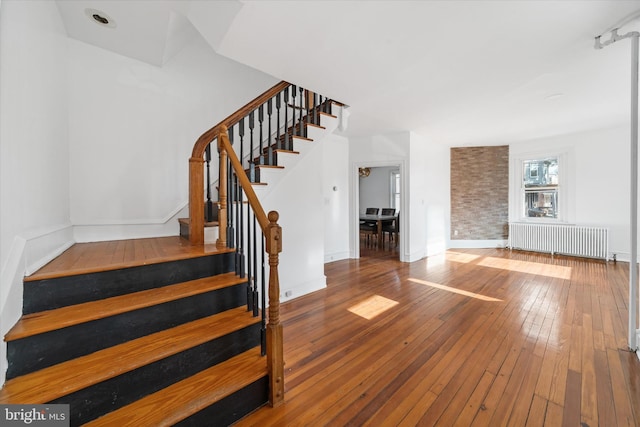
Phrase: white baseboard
[336,256]
[477,244]
[27,254]
[302,289]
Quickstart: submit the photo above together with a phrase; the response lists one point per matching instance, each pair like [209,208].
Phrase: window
[540,188]
[395,190]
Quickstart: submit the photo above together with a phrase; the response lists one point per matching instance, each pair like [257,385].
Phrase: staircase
[161,344]
[182,340]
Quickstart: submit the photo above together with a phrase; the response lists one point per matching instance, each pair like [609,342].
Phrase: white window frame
[563,188]
[395,191]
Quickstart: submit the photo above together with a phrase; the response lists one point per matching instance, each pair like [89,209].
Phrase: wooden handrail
[196,163]
[225,145]
[206,138]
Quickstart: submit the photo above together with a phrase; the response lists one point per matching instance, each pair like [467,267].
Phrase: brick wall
[479,193]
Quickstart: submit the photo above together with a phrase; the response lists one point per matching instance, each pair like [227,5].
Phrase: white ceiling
[455,72]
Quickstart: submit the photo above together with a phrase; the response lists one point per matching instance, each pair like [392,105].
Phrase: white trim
[142,221]
[477,244]
[45,244]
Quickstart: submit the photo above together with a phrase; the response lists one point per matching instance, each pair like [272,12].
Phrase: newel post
[275,347]
[196,200]
[222,193]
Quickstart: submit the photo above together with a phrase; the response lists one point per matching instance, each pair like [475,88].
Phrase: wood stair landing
[104,340]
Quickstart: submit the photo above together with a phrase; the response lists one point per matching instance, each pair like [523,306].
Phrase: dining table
[379,219]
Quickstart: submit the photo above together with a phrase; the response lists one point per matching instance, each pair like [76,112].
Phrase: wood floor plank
[554,415]
[537,412]
[571,413]
[606,410]
[588,404]
[621,394]
[475,401]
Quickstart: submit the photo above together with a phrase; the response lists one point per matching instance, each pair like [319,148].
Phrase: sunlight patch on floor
[537,268]
[372,306]
[454,290]
[460,257]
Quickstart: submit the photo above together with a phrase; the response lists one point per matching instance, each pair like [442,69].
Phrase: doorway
[378,185]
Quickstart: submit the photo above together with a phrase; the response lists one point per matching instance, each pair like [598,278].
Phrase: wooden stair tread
[315,125]
[304,138]
[164,249]
[45,321]
[67,377]
[270,166]
[327,114]
[182,399]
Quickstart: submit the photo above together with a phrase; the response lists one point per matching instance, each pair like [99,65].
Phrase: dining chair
[393,229]
[369,229]
[387,224]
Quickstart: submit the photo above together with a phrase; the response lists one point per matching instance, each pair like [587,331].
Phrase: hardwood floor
[469,338]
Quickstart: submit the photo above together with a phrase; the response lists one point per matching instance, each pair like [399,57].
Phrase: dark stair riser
[107,396]
[39,351]
[48,294]
[231,408]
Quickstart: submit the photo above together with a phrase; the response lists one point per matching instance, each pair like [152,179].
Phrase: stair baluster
[285,142]
[278,143]
[240,267]
[252,166]
[260,121]
[301,130]
[315,110]
[209,203]
[294,94]
[255,266]
[269,146]
[250,269]
[263,303]
[231,204]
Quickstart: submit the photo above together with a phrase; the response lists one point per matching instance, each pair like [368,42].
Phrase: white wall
[133,126]
[335,190]
[430,197]
[34,149]
[375,190]
[597,187]
[298,198]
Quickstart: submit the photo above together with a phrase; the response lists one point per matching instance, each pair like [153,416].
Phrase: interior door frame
[354,205]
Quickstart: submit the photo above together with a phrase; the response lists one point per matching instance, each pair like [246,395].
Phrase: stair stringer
[273,176]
